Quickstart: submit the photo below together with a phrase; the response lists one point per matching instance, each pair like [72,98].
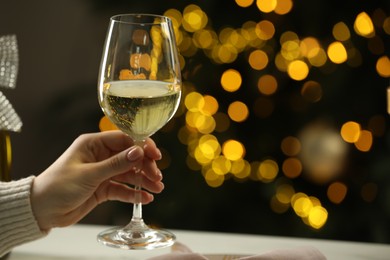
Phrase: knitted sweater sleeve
[17,222]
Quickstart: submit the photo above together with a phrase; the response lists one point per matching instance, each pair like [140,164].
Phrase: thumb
[120,163]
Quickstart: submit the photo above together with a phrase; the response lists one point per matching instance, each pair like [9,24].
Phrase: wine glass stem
[137,207]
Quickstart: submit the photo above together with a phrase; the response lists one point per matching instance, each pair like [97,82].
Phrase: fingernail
[159,174]
[159,154]
[133,154]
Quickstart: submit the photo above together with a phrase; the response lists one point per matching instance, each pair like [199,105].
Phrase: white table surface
[79,242]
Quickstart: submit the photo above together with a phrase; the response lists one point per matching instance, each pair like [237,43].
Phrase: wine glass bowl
[139,90]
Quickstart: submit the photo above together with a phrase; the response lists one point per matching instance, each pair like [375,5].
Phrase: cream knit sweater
[17,222]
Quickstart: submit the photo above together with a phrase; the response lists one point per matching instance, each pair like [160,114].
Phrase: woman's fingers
[112,190]
[132,178]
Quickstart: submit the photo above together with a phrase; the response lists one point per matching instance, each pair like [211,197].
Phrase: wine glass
[139,90]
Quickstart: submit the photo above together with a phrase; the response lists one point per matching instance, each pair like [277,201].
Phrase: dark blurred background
[305,155]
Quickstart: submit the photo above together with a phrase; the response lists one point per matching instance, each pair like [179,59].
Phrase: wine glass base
[136,240]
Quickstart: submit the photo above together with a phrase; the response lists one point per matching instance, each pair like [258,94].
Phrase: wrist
[38,206]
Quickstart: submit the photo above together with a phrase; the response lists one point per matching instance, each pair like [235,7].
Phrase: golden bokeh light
[291,50]
[194,102]
[258,60]
[175,16]
[210,106]
[277,206]
[238,111]
[106,125]
[309,47]
[268,170]
[341,32]
[233,150]
[283,7]
[319,59]
[336,192]
[244,3]
[265,30]
[292,167]
[231,80]
[298,70]
[284,193]
[318,217]
[337,52]
[241,169]
[350,131]
[194,18]
[267,84]
[301,204]
[205,39]
[364,141]
[273,56]
[290,146]
[221,165]
[266,6]
[383,66]
[363,25]
[386,25]
[213,180]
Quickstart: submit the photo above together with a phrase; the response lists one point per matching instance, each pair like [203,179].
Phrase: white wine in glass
[139,90]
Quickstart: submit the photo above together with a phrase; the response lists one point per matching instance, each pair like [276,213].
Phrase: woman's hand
[95,168]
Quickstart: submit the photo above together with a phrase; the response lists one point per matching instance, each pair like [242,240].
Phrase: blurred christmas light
[363,25]
[231,80]
[274,57]
[336,192]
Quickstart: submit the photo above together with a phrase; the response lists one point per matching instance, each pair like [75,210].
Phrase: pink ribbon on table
[182,252]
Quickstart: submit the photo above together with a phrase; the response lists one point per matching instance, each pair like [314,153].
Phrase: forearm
[17,222]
